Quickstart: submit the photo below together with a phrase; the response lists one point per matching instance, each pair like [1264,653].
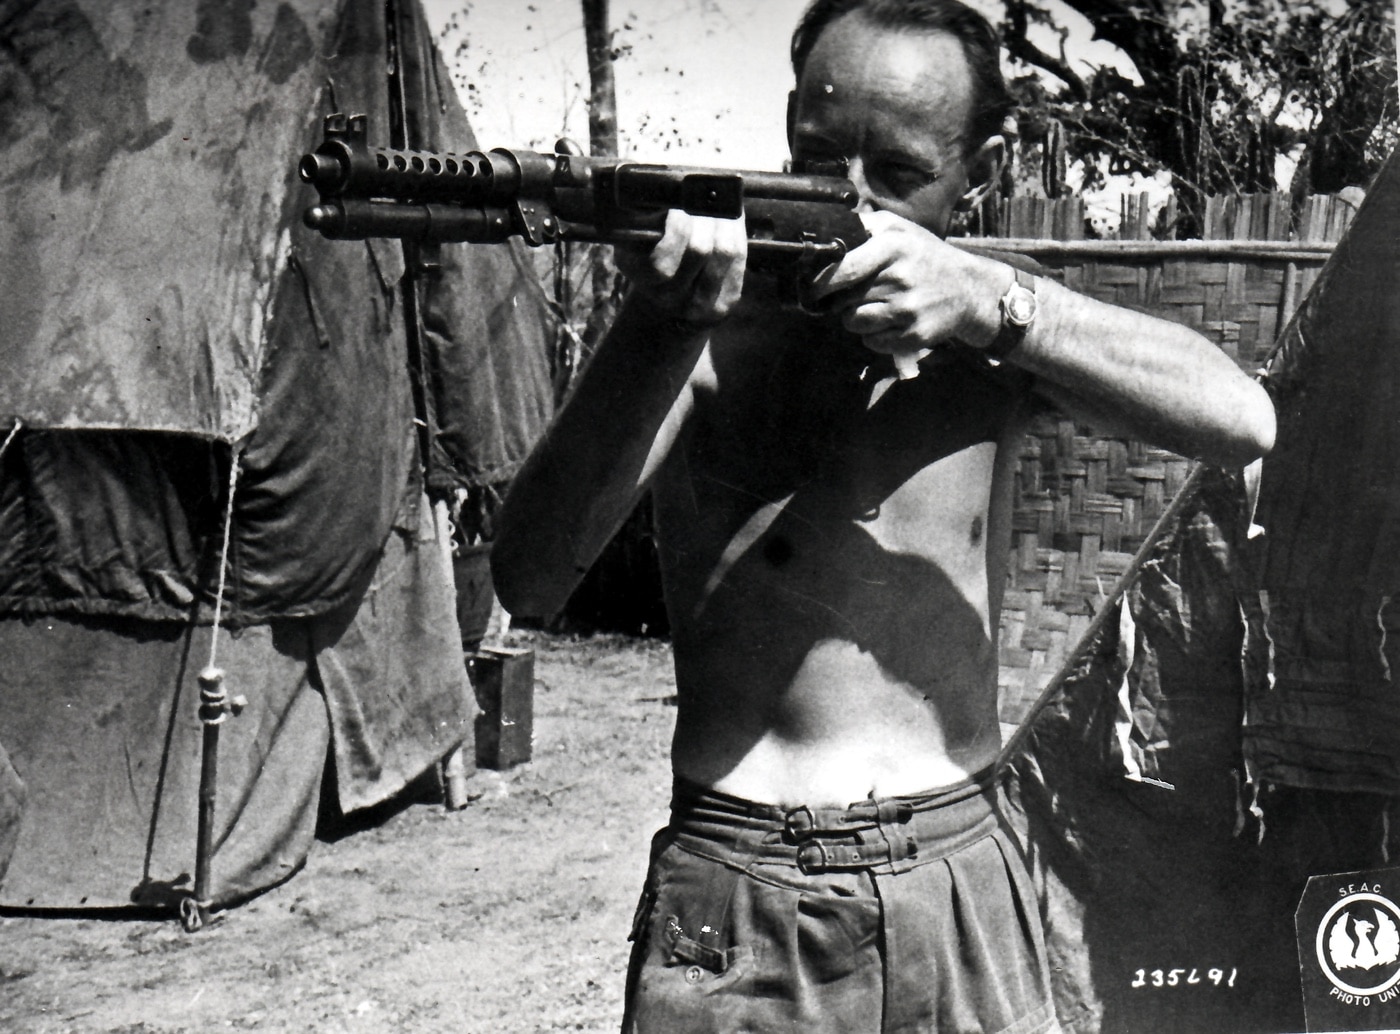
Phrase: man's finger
[675,243]
[716,283]
[875,317]
[730,261]
[839,302]
[694,261]
[731,240]
[858,266]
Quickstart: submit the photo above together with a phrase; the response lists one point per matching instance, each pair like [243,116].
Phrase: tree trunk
[602,142]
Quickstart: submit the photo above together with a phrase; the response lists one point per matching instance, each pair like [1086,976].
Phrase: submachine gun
[796,222]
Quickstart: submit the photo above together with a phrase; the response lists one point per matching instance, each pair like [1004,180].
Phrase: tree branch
[1022,49]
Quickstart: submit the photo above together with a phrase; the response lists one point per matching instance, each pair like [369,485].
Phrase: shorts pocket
[702,964]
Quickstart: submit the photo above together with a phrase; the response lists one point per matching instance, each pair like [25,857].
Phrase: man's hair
[991,101]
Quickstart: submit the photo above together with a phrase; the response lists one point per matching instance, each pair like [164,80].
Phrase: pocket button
[694,974]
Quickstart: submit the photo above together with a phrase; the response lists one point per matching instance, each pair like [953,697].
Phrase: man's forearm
[587,473]
[1147,377]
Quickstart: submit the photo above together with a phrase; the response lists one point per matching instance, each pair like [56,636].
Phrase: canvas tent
[178,357]
[1235,730]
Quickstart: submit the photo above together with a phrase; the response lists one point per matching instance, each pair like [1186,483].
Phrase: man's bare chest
[801,476]
[829,418]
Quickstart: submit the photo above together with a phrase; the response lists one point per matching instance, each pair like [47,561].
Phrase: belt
[886,834]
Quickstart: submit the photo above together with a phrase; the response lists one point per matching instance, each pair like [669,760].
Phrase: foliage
[1224,89]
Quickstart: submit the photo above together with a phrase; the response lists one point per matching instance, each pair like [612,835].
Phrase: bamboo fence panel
[1084,502]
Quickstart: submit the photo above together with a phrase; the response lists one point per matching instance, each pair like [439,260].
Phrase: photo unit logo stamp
[1358,946]
[1348,930]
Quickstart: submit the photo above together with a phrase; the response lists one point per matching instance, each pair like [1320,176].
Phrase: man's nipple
[777,550]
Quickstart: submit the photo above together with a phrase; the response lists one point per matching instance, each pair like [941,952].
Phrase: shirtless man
[833,540]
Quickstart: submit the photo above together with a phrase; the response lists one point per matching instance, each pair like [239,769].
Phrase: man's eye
[902,180]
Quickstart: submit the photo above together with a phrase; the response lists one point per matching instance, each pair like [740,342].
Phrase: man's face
[895,104]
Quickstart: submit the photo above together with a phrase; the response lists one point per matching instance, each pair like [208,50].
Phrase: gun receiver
[800,221]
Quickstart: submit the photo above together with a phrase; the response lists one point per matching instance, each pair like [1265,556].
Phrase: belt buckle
[799,822]
[815,856]
[811,858]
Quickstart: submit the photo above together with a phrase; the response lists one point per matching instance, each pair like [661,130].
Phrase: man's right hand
[695,272]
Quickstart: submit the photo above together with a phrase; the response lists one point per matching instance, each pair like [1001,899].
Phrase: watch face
[1020,306]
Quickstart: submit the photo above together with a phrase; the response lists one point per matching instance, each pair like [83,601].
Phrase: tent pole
[210,703]
[420,261]
[416,262]
[214,707]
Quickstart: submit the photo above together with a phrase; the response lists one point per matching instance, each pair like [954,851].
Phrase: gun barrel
[797,218]
[355,220]
[317,169]
[346,167]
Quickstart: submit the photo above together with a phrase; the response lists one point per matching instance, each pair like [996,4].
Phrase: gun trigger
[535,223]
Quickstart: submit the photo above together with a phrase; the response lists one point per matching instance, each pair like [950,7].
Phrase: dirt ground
[509,915]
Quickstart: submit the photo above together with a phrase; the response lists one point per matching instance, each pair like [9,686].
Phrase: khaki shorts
[900,914]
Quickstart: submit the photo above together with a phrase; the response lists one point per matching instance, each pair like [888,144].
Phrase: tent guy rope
[10,437]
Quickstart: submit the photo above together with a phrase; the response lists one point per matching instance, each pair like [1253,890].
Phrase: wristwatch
[1018,308]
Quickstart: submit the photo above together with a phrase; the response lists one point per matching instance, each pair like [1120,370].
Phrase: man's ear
[791,117]
[983,172]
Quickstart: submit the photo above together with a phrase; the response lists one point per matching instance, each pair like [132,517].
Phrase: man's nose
[855,172]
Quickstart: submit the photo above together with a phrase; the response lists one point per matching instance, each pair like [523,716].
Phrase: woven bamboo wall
[1084,502]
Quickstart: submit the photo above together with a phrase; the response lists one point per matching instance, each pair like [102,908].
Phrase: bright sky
[705,81]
